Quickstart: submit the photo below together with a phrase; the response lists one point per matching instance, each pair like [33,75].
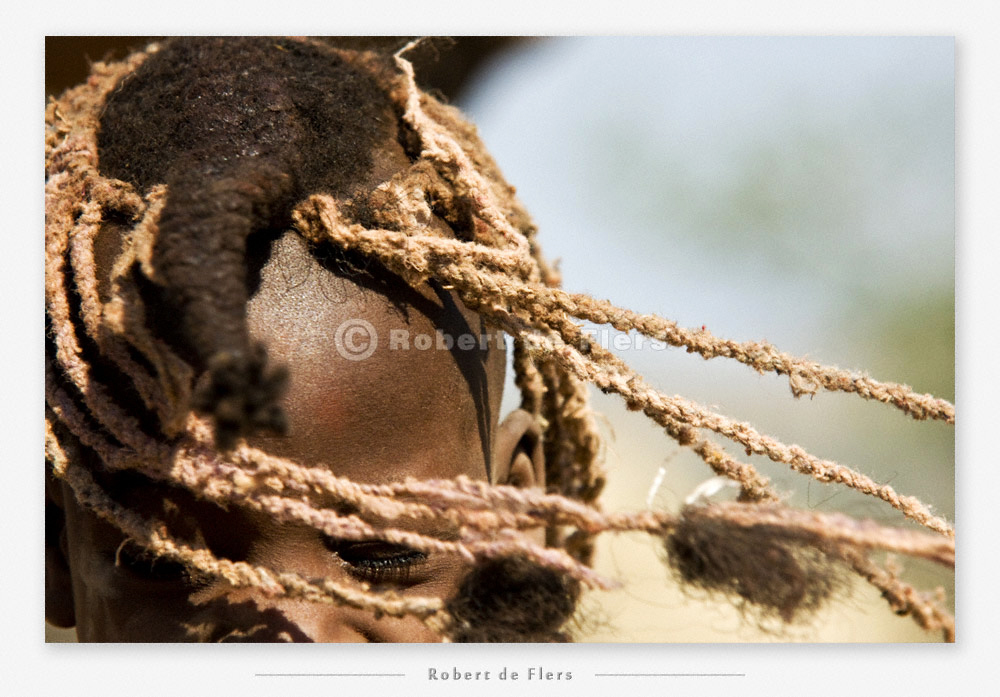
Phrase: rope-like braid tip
[242,395]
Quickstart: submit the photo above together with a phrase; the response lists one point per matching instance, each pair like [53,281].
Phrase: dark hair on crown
[165,173]
[239,130]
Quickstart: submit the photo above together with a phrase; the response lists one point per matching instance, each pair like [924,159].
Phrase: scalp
[215,104]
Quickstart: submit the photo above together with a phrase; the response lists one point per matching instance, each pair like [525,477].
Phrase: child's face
[398,413]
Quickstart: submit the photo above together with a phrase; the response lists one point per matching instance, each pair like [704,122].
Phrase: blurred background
[794,190]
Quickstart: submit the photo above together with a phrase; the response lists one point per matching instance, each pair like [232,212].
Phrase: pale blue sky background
[717,180]
[798,190]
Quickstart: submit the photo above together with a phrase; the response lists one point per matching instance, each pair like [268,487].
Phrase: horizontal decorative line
[330,675]
[669,675]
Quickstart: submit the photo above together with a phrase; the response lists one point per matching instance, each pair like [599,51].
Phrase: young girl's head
[283,285]
[309,351]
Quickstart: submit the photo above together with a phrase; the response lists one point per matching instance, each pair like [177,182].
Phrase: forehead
[386,381]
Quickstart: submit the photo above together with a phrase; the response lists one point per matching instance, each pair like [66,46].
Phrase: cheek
[114,605]
[109,605]
[247,614]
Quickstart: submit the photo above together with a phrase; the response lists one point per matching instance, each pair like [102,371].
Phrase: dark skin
[396,414]
[393,415]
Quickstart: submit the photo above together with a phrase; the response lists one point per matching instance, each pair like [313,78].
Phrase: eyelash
[141,563]
[371,561]
[377,562]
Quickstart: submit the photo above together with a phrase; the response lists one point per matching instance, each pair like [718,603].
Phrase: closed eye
[377,562]
[140,563]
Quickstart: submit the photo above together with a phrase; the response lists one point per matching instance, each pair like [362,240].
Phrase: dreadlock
[174,161]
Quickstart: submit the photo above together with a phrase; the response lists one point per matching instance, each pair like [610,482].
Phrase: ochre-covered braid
[165,428]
